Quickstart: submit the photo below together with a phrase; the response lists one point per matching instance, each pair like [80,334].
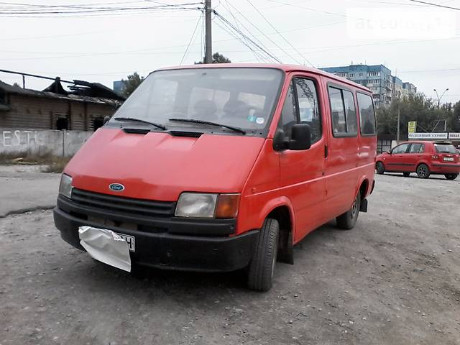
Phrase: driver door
[302,171]
[397,159]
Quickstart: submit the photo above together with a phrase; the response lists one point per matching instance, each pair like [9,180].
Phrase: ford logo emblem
[116,187]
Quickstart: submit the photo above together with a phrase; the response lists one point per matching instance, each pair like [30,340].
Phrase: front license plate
[449,159]
[130,240]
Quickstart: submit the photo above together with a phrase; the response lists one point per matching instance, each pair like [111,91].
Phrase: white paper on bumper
[106,246]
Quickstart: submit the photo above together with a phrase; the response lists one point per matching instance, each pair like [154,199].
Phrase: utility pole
[208,40]
[399,119]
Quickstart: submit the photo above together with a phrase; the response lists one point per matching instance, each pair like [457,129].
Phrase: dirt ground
[394,279]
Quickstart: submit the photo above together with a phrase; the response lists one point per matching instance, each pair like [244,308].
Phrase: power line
[276,30]
[254,37]
[98,5]
[191,38]
[230,25]
[44,10]
[257,55]
[263,34]
[436,5]
[226,5]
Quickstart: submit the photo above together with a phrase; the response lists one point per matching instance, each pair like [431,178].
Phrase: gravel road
[394,279]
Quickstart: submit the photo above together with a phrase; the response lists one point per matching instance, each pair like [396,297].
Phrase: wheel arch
[281,210]
[363,187]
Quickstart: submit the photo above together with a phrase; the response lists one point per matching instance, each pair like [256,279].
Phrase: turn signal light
[227,205]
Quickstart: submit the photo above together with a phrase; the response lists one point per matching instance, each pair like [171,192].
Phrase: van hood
[160,166]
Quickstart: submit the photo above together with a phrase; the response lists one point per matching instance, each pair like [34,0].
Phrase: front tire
[347,220]
[380,168]
[451,176]
[262,266]
[423,171]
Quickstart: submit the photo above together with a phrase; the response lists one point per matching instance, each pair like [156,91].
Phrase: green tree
[456,117]
[413,108]
[216,58]
[131,84]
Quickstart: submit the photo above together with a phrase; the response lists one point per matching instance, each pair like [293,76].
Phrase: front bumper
[170,250]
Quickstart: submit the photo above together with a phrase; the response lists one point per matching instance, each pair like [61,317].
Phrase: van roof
[283,67]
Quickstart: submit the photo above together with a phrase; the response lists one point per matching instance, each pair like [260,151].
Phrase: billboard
[428,136]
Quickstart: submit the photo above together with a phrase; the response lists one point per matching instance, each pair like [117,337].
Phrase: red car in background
[422,157]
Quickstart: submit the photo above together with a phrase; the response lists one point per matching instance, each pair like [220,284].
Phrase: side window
[352,122]
[366,114]
[337,111]
[400,149]
[343,112]
[308,107]
[301,106]
[416,148]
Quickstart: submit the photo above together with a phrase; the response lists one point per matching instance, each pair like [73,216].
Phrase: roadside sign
[411,126]
[454,135]
[429,136]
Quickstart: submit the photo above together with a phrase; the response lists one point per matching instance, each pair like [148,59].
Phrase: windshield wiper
[236,129]
[133,119]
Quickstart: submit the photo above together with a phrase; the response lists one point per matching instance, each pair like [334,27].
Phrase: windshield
[445,148]
[237,97]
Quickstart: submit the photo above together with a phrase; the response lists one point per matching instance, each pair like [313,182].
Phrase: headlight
[201,205]
[65,188]
[196,205]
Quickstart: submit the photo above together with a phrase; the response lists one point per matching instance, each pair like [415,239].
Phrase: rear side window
[444,148]
[366,114]
[417,148]
[343,113]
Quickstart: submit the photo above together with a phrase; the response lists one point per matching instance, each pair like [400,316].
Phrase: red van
[221,167]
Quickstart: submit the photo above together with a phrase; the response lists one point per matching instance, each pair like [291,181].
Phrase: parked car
[422,157]
[220,168]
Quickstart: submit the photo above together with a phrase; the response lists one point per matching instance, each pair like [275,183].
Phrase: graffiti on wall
[18,138]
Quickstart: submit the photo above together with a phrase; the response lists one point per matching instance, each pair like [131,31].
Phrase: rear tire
[451,176]
[262,266]
[406,174]
[380,168]
[347,220]
[423,171]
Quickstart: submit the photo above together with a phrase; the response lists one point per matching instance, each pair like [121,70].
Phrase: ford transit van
[221,167]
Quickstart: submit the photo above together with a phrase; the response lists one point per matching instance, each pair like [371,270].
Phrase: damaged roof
[80,91]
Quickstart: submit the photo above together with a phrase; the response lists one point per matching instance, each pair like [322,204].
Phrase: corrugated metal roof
[11,89]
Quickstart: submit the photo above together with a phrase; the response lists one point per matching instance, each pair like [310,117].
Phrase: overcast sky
[418,42]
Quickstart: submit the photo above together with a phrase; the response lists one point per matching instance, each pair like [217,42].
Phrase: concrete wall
[41,142]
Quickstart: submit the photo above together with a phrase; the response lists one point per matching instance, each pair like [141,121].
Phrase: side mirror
[106,119]
[300,137]
[279,140]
